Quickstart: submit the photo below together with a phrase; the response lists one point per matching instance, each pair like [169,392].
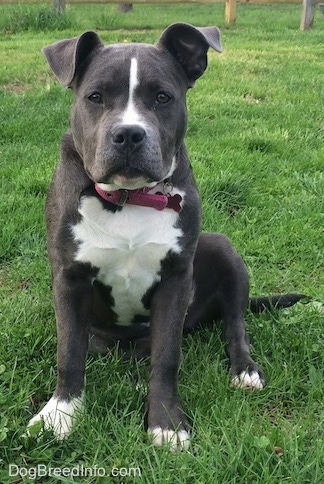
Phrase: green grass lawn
[256,141]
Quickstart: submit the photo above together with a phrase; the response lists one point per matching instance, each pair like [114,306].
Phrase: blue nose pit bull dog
[129,266]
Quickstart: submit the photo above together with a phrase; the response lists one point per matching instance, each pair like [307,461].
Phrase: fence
[307,16]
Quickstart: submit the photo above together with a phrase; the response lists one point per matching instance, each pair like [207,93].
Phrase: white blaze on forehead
[133,80]
[131,115]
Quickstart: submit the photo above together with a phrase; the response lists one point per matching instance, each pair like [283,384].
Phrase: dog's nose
[130,136]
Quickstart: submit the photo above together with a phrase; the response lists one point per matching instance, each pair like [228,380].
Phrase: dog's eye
[162,98]
[95,97]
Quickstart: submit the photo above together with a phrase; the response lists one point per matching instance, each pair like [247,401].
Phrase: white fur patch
[131,115]
[176,440]
[58,415]
[127,247]
[172,168]
[248,380]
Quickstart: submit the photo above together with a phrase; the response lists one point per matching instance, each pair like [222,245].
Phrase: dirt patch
[17,87]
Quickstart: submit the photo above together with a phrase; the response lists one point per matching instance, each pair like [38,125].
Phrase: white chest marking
[131,115]
[127,247]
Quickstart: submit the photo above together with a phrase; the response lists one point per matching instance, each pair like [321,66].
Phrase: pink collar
[142,197]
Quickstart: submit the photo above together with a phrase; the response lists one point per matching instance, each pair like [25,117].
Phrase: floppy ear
[64,57]
[189,45]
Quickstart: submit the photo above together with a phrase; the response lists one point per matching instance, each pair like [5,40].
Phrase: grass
[255,139]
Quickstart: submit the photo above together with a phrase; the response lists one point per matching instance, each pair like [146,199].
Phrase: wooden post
[125,7]
[59,6]
[230,11]
[307,18]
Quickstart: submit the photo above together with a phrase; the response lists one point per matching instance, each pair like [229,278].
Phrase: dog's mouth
[128,179]
[119,182]
[131,178]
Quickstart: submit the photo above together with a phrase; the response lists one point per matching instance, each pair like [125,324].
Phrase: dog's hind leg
[221,291]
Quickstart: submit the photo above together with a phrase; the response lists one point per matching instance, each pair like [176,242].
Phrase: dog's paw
[252,380]
[175,440]
[57,415]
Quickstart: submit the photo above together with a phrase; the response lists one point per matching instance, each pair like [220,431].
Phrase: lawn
[256,141]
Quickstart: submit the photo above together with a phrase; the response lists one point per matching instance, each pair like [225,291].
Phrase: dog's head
[129,114]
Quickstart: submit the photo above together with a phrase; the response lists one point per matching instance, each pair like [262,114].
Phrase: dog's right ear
[65,56]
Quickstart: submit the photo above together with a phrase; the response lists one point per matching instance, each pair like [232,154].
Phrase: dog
[129,264]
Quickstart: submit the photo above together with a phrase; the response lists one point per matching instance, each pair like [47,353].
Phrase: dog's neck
[142,197]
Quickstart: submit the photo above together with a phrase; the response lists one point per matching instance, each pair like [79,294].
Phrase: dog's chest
[127,247]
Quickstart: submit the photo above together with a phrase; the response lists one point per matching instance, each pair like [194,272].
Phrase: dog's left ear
[189,45]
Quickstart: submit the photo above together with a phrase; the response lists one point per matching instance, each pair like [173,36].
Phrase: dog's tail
[262,303]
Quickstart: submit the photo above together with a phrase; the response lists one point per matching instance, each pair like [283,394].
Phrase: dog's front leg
[167,423]
[73,303]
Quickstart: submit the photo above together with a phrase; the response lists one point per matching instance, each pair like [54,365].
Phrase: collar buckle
[123,197]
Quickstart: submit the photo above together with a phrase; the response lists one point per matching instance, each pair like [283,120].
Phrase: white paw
[177,441]
[248,380]
[57,415]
